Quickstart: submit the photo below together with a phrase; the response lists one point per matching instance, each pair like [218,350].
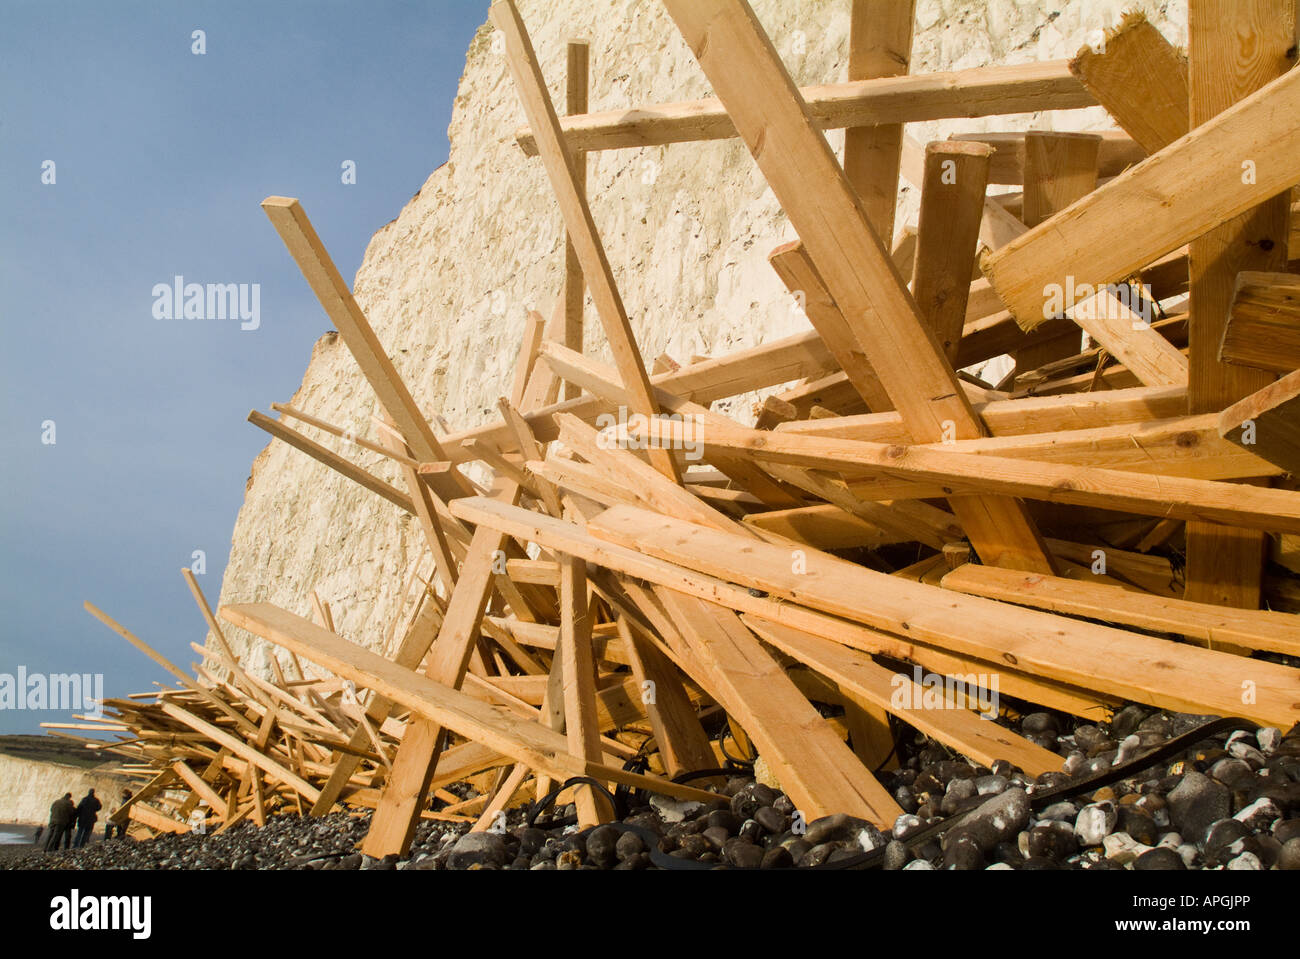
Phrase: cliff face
[688,228]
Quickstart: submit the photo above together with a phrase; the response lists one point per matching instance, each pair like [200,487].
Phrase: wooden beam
[1117,661]
[764,104]
[1180,193]
[1263,328]
[1267,423]
[982,91]
[574,290]
[290,221]
[952,208]
[1208,625]
[1227,566]
[880,45]
[557,157]
[976,738]
[331,459]
[1175,497]
[1131,340]
[1116,154]
[1141,80]
[497,728]
[814,766]
[1059,169]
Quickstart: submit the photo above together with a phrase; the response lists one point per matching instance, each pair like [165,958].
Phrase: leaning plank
[1227,566]
[1141,80]
[1258,508]
[1215,625]
[976,738]
[243,750]
[880,45]
[581,726]
[1128,664]
[1134,342]
[1267,423]
[1043,650]
[1031,414]
[331,459]
[1059,169]
[397,815]
[982,91]
[796,160]
[1263,328]
[557,157]
[290,221]
[814,766]
[1188,188]
[494,727]
[952,207]
[573,292]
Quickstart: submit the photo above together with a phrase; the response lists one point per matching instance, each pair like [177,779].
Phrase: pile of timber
[1094,528]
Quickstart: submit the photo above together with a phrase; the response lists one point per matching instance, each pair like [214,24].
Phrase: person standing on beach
[62,815]
[108,820]
[87,813]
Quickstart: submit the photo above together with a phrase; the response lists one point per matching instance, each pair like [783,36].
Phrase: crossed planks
[773,120]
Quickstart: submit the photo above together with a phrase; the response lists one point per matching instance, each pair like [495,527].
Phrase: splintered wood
[617,607]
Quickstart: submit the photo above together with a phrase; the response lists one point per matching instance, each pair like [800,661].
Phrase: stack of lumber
[642,578]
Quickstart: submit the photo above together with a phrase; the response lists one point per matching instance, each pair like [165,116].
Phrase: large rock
[1196,802]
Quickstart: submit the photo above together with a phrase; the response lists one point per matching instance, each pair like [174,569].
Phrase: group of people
[72,823]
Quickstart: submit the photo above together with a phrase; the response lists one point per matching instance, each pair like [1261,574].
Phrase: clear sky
[161,157]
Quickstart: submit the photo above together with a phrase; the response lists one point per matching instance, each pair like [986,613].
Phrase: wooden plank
[1263,328]
[534,329]
[1121,662]
[1116,154]
[814,766]
[1226,566]
[880,45]
[1215,626]
[496,728]
[405,792]
[243,750]
[981,91]
[1176,497]
[573,291]
[1267,423]
[772,118]
[1141,80]
[976,738]
[1188,188]
[331,459]
[791,358]
[290,221]
[1130,339]
[682,741]
[1188,446]
[1033,414]
[952,208]
[1059,169]
[557,157]
[582,729]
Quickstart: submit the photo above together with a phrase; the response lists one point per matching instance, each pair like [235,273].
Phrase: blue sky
[161,158]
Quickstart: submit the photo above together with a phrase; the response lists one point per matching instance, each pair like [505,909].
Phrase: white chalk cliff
[687,228]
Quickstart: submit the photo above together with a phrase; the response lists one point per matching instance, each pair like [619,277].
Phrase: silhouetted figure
[87,812]
[63,813]
[109,825]
[36,839]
